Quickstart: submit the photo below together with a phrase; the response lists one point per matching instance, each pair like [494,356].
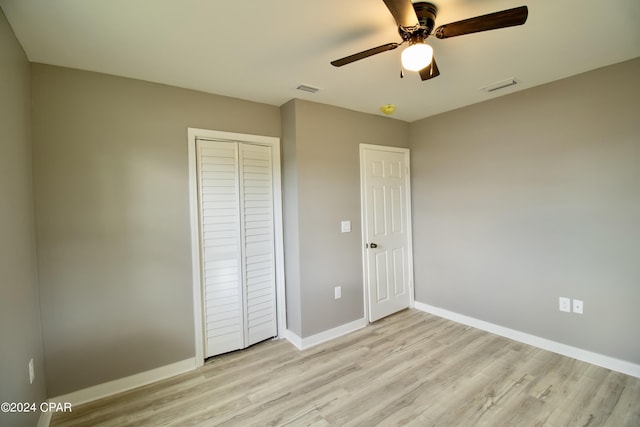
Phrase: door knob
[373,245]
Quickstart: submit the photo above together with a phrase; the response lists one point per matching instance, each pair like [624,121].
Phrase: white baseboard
[313,340]
[294,339]
[45,419]
[127,383]
[601,360]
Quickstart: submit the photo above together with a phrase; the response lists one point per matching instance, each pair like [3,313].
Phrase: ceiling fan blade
[430,71]
[403,12]
[364,54]
[491,21]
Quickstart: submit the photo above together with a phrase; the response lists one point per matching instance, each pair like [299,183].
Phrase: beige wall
[20,336]
[112,218]
[322,188]
[532,196]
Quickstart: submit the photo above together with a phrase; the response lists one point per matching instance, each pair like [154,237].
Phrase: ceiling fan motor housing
[426,13]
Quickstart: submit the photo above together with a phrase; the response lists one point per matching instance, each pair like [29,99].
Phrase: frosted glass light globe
[417,56]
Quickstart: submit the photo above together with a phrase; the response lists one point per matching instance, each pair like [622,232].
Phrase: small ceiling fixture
[388,109]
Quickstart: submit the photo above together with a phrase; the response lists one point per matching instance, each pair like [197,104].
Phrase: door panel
[386,230]
[380,261]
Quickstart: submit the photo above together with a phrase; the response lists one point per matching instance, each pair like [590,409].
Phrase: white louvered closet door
[235,183]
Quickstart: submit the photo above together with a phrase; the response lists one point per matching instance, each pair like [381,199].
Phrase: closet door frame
[198,312]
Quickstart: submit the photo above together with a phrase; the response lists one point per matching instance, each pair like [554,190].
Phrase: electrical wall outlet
[565,304]
[578,306]
[337,292]
[345,226]
[32,374]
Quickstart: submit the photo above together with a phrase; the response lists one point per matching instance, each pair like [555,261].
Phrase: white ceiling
[262,50]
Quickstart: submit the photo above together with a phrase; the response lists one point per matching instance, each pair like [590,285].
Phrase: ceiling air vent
[500,85]
[309,89]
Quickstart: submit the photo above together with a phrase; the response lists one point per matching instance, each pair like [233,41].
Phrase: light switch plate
[345,226]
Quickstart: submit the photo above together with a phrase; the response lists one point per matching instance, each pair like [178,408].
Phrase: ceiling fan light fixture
[417,56]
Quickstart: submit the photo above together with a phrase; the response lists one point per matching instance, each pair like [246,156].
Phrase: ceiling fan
[416,22]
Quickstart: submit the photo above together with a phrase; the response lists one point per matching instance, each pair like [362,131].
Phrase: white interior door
[386,229]
[235,182]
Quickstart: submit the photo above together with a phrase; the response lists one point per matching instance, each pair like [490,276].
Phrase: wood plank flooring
[410,369]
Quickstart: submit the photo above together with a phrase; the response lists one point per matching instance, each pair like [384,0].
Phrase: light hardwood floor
[411,368]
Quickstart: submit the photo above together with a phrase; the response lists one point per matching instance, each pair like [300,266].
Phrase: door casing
[198,312]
